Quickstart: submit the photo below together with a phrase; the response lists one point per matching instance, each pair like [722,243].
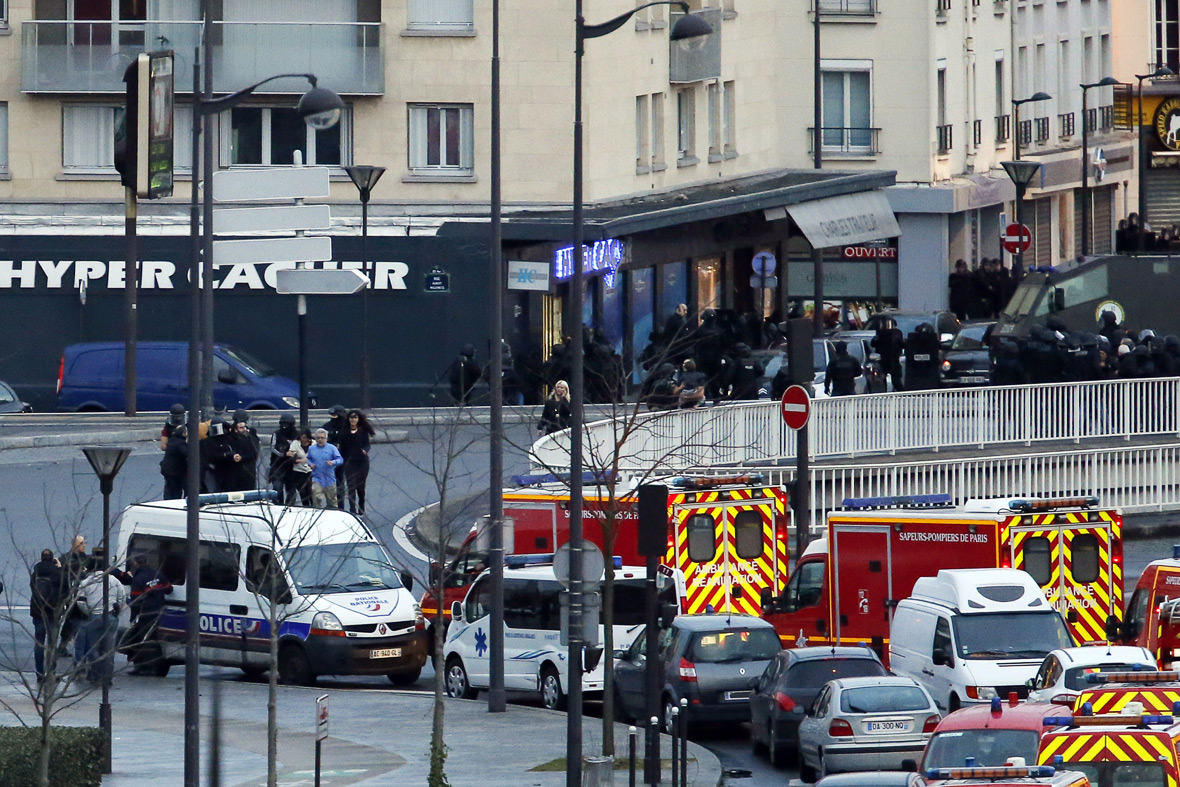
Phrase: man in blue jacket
[324,458]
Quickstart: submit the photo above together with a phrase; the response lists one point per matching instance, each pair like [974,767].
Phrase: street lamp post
[1104,82]
[1016,102]
[688,26]
[320,108]
[106,463]
[365,177]
[1021,173]
[1159,73]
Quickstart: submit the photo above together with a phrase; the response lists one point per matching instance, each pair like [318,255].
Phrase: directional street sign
[272,218]
[239,185]
[254,250]
[1016,238]
[311,281]
[796,407]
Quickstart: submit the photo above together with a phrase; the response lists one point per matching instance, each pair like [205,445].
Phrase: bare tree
[448,470]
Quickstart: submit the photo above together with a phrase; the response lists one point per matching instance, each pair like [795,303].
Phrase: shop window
[702,538]
[1038,561]
[747,535]
[708,284]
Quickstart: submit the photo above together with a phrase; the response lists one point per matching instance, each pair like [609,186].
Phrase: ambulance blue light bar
[1105,720]
[253,496]
[900,501]
[992,772]
[1137,676]
[535,479]
[1022,506]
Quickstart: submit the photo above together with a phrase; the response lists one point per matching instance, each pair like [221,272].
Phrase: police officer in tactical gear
[843,369]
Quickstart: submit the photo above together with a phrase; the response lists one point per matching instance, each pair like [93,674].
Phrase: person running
[354,442]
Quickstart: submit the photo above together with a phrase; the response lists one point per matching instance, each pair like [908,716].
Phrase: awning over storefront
[843,220]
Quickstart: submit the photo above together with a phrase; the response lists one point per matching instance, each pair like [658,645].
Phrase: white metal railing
[1134,479]
[753,434]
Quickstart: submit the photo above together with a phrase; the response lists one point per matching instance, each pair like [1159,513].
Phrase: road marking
[403,539]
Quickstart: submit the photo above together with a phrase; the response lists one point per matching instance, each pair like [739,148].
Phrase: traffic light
[144,139]
[653,520]
[800,359]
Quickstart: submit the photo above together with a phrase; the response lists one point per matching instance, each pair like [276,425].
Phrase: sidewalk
[376,737]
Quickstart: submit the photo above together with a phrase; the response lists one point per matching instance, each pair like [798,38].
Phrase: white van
[341,607]
[971,634]
[534,658]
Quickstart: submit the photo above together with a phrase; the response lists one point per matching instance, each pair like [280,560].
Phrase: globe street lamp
[1159,73]
[688,26]
[1016,102]
[1104,82]
[365,177]
[1021,173]
[106,463]
[320,108]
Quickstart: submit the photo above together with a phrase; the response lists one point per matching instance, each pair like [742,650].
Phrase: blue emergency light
[253,496]
[1175,551]
[1104,720]
[536,479]
[521,561]
[899,501]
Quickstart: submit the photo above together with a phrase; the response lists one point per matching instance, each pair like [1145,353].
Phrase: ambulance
[1112,750]
[726,537]
[1152,618]
[1016,774]
[845,586]
[1111,692]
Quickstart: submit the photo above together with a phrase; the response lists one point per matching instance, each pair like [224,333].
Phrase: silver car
[863,724]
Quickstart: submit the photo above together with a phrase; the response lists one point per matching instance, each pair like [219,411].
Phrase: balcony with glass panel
[90,56]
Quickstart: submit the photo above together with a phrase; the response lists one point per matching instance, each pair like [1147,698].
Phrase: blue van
[90,378]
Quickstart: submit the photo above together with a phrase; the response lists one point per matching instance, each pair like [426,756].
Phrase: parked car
[858,724]
[708,659]
[90,378]
[789,686]
[1062,675]
[10,402]
[945,323]
[990,733]
[968,361]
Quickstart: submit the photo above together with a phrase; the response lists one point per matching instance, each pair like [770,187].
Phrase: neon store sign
[602,256]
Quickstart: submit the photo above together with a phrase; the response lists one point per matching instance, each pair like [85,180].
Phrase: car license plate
[385,653]
[973,379]
[738,695]
[921,356]
[888,726]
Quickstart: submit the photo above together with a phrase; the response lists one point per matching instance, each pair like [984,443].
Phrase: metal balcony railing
[977,133]
[1106,117]
[847,141]
[1003,128]
[1042,126]
[90,57]
[848,7]
[946,138]
[1065,123]
[1091,120]
[1024,133]
[942,7]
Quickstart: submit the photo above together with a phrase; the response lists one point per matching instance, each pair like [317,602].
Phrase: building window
[441,15]
[729,121]
[1167,34]
[269,136]
[686,126]
[642,135]
[847,110]
[442,139]
[3,137]
[657,132]
[88,138]
[713,94]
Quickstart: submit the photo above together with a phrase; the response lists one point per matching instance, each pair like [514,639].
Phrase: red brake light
[931,723]
[784,702]
[61,372]
[839,728]
[688,671]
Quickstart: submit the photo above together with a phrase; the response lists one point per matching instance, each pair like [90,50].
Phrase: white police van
[340,606]
[534,658]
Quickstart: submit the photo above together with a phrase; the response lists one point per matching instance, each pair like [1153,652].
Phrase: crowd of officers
[232,458]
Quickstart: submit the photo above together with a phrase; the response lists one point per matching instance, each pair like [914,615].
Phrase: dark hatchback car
[791,683]
[968,361]
[707,659]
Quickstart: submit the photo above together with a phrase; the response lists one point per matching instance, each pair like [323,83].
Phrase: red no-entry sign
[1016,238]
[796,407]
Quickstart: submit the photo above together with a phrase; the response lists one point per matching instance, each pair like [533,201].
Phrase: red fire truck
[1152,618]
[726,537]
[845,586]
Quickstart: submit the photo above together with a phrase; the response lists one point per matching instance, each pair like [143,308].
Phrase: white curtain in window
[88,137]
[441,13]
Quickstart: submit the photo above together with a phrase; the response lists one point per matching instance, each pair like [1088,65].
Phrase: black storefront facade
[428,294]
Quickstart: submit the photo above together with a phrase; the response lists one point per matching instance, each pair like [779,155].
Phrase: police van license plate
[888,726]
[385,653]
